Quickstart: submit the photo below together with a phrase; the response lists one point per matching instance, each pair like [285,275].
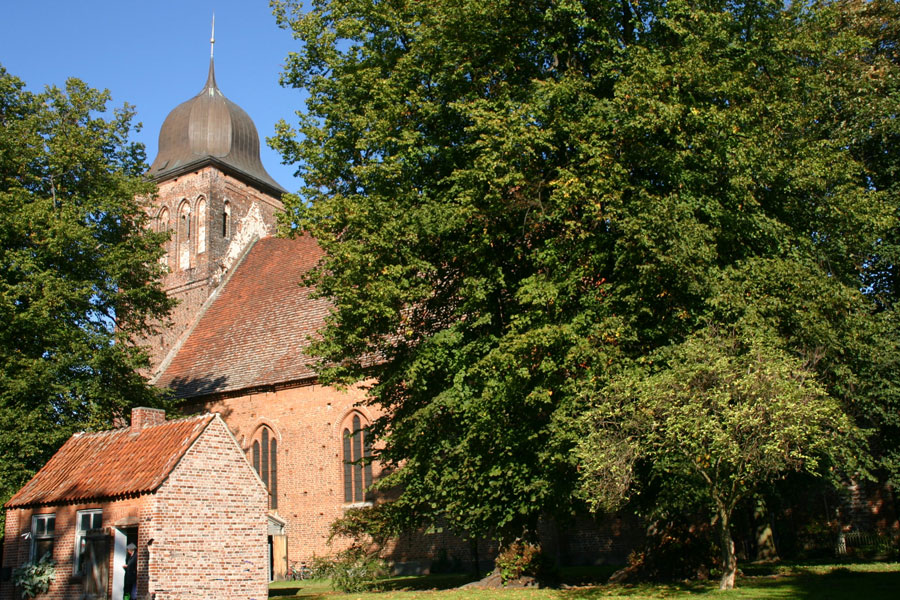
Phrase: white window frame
[49,533]
[96,516]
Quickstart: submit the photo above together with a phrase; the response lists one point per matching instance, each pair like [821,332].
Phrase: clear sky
[155,54]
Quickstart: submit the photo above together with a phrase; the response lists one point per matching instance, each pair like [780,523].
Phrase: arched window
[226,220]
[265,461]
[184,236]
[162,220]
[201,226]
[357,453]
[162,226]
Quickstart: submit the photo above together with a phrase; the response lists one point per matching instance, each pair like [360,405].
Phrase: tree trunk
[765,538]
[729,560]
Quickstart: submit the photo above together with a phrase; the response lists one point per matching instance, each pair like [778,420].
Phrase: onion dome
[210,129]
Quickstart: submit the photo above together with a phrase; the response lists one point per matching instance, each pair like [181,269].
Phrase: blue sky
[155,55]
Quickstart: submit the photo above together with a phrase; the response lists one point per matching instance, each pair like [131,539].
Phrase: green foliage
[722,412]
[521,559]
[712,420]
[375,523]
[522,203]
[320,567]
[34,578]
[356,570]
[78,271]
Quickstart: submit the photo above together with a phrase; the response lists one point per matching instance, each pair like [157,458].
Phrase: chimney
[142,417]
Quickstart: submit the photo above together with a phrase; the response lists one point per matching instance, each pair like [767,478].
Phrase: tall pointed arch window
[357,453]
[201,226]
[162,226]
[162,220]
[264,457]
[184,236]
[226,220]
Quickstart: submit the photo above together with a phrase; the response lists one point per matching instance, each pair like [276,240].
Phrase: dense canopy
[523,201]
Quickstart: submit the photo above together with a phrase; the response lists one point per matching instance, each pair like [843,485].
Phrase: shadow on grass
[427,582]
[846,583]
[298,592]
[569,576]
[877,581]
[286,591]
[794,583]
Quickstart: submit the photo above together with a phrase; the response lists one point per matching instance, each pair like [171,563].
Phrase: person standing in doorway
[131,572]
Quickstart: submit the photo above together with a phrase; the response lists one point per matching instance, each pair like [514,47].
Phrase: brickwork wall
[194,285]
[584,541]
[416,552]
[14,549]
[207,523]
[307,423]
[67,585]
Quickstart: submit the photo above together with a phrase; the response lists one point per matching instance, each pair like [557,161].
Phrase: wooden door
[96,566]
[279,557]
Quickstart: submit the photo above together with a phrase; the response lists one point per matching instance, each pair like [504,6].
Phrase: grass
[869,581]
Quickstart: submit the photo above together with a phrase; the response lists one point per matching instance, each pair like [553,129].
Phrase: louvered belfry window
[265,462]
[356,454]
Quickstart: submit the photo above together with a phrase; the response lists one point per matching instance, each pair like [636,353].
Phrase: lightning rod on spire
[212,38]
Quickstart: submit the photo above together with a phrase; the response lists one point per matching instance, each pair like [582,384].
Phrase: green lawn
[867,581]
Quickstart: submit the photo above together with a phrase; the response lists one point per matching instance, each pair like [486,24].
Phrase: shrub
[520,559]
[34,578]
[321,567]
[355,570]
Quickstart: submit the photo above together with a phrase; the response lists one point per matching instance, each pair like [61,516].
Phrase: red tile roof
[255,332]
[111,464]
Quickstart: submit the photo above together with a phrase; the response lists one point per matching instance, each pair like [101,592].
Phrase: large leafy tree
[78,271]
[520,200]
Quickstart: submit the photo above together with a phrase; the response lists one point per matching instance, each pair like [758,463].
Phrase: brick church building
[235,344]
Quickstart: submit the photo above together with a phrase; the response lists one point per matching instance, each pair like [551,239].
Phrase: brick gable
[208,523]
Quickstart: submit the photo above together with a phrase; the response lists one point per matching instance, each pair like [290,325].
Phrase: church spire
[211,78]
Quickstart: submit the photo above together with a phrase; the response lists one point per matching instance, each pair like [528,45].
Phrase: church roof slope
[254,333]
[110,464]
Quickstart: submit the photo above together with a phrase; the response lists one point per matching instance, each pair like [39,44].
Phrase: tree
[78,271]
[718,416]
[518,201]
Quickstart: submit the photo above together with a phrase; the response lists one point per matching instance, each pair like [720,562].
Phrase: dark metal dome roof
[210,128]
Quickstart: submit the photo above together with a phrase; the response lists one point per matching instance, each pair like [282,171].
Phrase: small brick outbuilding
[182,491]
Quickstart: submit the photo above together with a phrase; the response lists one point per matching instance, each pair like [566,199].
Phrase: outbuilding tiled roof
[253,334]
[111,464]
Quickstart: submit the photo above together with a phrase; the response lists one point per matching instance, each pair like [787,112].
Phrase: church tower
[214,195]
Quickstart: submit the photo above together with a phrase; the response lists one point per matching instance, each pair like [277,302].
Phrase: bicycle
[299,573]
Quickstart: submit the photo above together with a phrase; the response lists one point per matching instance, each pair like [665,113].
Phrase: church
[235,342]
